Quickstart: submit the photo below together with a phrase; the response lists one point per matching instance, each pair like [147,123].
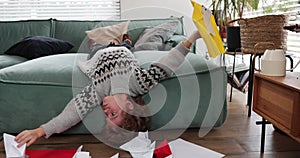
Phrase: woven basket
[267,28]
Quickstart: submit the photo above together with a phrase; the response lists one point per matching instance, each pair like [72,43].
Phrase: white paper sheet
[184,149]
[115,156]
[11,149]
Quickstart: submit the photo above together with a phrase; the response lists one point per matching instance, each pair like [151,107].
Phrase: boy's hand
[29,136]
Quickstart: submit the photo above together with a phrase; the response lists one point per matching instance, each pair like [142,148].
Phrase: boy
[116,78]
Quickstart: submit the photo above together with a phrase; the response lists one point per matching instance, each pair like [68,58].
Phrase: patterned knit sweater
[113,70]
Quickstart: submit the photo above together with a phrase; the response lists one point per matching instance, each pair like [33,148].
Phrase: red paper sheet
[162,150]
[50,153]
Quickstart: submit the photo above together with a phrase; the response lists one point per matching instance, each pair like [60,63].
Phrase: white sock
[194,36]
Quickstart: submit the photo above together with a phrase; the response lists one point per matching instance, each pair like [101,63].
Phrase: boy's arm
[76,109]
[65,120]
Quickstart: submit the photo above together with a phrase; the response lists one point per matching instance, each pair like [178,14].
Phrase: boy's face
[113,107]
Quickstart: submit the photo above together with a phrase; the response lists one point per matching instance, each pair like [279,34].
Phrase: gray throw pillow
[155,38]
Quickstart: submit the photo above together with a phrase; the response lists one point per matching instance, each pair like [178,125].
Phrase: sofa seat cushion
[49,70]
[9,60]
[61,69]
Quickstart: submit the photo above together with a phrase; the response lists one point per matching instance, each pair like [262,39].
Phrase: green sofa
[34,91]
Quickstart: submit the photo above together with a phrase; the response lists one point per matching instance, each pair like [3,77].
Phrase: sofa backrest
[74,31]
[13,31]
[71,30]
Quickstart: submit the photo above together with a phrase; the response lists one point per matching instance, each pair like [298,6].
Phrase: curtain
[59,9]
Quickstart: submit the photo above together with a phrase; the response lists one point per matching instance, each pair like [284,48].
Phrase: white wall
[137,9]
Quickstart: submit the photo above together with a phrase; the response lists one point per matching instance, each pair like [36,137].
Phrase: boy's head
[128,113]
[115,107]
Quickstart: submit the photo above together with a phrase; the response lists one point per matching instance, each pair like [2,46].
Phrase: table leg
[263,136]
[263,123]
[250,88]
[232,75]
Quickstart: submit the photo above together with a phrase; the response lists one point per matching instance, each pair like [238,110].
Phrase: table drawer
[275,103]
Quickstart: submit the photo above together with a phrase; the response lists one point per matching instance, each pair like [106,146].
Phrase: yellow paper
[208,31]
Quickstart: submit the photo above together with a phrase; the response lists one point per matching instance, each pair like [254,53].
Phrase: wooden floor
[239,137]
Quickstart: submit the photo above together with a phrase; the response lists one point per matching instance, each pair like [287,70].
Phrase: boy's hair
[136,120]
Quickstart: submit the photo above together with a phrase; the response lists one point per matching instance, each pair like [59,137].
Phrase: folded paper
[140,146]
[81,154]
[207,27]
[11,149]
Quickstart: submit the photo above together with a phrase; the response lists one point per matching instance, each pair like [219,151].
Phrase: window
[59,9]
[291,7]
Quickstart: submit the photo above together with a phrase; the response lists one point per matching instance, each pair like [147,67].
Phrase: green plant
[274,6]
[228,10]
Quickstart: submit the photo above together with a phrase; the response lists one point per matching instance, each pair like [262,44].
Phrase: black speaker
[233,38]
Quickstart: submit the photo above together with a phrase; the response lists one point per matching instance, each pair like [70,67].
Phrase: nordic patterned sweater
[113,70]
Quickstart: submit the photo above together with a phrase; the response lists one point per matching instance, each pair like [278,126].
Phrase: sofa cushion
[13,31]
[32,47]
[155,38]
[137,27]
[9,60]
[107,34]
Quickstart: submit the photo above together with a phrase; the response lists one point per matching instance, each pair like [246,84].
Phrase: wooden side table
[277,100]
[251,78]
